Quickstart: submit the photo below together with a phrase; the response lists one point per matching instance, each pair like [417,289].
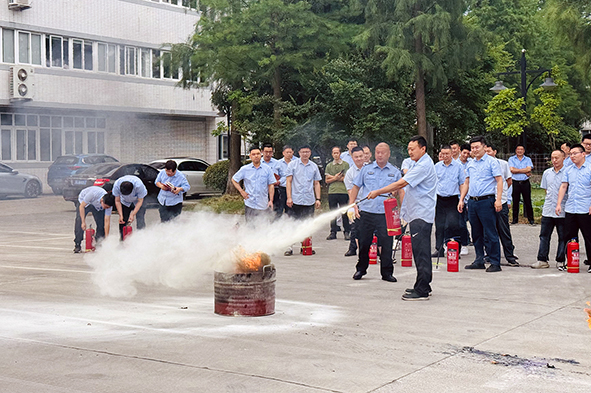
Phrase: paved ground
[521,330]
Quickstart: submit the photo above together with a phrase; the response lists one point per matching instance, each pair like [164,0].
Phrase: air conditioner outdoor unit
[19,4]
[22,83]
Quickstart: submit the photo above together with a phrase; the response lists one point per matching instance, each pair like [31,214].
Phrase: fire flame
[250,262]
[588,311]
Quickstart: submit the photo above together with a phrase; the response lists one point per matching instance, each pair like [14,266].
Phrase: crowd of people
[468,184]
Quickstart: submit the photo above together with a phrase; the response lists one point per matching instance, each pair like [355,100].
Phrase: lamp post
[523,71]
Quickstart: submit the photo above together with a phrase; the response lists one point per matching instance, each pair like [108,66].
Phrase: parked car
[193,169]
[14,183]
[105,175]
[65,166]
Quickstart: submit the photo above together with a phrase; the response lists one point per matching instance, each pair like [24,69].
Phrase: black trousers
[301,212]
[368,224]
[167,213]
[464,233]
[354,236]
[548,225]
[140,217]
[447,220]
[334,202]
[420,232]
[575,222]
[505,233]
[522,187]
[99,220]
[280,201]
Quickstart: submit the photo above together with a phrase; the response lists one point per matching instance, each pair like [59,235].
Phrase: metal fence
[541,162]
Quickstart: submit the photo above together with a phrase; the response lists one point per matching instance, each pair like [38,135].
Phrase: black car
[105,175]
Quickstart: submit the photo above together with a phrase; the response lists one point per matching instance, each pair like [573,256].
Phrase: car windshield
[66,160]
[100,169]
[158,165]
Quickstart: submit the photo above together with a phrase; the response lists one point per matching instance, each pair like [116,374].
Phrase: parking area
[520,330]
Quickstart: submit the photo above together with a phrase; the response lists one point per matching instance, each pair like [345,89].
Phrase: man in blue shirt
[259,186]
[346,156]
[302,187]
[129,192]
[173,184]
[450,176]
[586,143]
[282,164]
[484,185]
[464,233]
[371,213]
[551,182]
[521,166]
[577,180]
[565,148]
[418,209]
[277,170]
[97,201]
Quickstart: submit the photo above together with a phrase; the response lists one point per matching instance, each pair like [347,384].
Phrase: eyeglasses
[574,153]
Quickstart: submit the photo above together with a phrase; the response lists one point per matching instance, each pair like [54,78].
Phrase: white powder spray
[179,253]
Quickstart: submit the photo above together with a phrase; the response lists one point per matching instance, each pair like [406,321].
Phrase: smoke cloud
[178,254]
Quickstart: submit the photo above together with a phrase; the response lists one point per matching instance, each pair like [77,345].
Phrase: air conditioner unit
[22,83]
[19,4]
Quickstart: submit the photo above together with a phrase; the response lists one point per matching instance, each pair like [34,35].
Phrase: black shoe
[437,254]
[347,236]
[512,263]
[389,278]
[586,262]
[414,296]
[513,222]
[532,223]
[493,268]
[332,236]
[358,275]
[589,269]
[77,249]
[475,265]
[411,290]
[350,253]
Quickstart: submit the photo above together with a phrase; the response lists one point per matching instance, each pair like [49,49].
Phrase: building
[98,79]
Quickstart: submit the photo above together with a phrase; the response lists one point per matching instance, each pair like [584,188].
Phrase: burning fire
[588,311]
[245,262]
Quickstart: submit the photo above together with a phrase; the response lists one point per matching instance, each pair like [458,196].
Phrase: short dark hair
[335,147]
[109,199]
[465,146]
[578,145]
[267,145]
[454,142]
[287,147]
[356,148]
[478,138]
[586,136]
[305,147]
[445,147]
[364,146]
[126,187]
[170,165]
[420,140]
[563,153]
[351,140]
[519,145]
[568,144]
[492,146]
[255,147]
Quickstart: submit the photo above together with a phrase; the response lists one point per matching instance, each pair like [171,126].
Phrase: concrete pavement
[520,330]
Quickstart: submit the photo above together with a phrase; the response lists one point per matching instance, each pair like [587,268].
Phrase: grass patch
[230,204]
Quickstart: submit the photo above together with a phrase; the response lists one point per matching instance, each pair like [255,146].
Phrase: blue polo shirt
[520,164]
[567,161]
[449,178]
[407,163]
[256,184]
[139,190]
[303,177]
[92,196]
[579,188]
[372,177]
[169,198]
[420,195]
[282,169]
[345,156]
[482,175]
[551,182]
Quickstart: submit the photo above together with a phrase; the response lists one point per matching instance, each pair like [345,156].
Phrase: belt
[521,181]
[446,198]
[481,198]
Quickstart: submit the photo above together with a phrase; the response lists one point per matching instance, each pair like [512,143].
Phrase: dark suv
[65,166]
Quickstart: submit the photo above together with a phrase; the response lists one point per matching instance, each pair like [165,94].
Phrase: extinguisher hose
[364,199]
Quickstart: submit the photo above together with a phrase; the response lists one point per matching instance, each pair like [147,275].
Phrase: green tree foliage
[505,113]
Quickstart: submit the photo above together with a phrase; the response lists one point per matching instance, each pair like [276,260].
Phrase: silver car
[193,169]
[14,183]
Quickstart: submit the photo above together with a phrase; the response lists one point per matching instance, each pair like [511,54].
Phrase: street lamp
[548,83]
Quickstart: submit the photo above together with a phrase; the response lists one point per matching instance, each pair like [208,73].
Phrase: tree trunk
[277,96]
[235,156]
[420,102]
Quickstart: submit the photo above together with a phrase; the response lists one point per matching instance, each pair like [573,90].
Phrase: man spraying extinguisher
[97,201]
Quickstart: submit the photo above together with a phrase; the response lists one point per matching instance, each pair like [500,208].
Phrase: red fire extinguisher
[392,217]
[307,246]
[126,231]
[373,251]
[89,239]
[572,256]
[452,256]
[406,251]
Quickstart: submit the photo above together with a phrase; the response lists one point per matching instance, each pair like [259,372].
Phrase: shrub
[216,175]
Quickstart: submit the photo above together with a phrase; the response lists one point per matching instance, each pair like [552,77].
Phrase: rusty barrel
[245,294]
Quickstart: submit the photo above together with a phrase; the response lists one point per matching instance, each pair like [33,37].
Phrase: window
[56,51]
[167,65]
[24,48]
[88,56]
[6,145]
[81,54]
[156,64]
[130,61]
[106,57]
[7,46]
[36,49]
[146,63]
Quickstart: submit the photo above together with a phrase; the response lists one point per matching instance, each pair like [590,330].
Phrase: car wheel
[57,190]
[32,189]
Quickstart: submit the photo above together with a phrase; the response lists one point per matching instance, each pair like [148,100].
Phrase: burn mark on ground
[508,360]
